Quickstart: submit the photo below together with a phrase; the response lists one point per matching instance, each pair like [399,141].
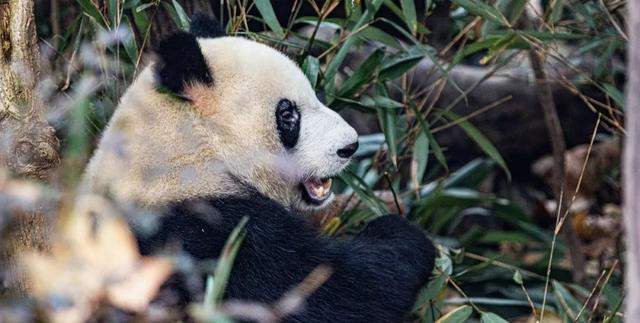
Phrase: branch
[558,147]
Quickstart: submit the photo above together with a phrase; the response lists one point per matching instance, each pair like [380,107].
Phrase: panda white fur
[219,128]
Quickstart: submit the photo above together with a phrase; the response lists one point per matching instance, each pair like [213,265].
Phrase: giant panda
[218,128]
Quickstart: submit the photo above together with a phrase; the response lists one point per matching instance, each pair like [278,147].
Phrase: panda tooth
[327,184]
[318,188]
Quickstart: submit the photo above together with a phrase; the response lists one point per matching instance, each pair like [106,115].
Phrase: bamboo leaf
[487,317]
[433,289]
[376,34]
[614,93]
[420,157]
[604,61]
[482,9]
[409,12]
[517,277]
[113,12]
[269,16]
[387,120]
[141,20]
[129,43]
[363,74]
[311,68]
[393,7]
[437,151]
[380,101]
[129,4]
[400,64]
[556,11]
[444,264]
[457,315]
[517,8]
[337,60]
[217,284]
[365,193]
[546,36]
[90,9]
[483,142]
[173,14]
[183,18]
[144,6]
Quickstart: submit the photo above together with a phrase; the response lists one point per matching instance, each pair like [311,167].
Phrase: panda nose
[348,150]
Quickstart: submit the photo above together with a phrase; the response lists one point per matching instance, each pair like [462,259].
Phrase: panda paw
[391,227]
[396,233]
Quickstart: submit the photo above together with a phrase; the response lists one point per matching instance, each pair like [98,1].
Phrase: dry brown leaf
[94,259]
[141,286]
[604,156]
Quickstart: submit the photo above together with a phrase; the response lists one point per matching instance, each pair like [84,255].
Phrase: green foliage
[266,10]
[406,157]
[480,139]
[460,314]
[216,284]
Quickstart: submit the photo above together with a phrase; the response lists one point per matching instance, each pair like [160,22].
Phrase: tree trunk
[28,145]
[631,167]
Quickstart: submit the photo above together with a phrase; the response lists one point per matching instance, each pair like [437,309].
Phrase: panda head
[259,113]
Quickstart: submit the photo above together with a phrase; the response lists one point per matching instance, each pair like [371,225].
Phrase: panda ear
[205,26]
[181,63]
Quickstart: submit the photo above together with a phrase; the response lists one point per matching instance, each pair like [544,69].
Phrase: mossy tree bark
[28,145]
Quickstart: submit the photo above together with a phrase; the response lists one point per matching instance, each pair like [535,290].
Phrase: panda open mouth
[316,190]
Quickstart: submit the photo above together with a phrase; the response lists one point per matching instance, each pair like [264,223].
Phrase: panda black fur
[375,276]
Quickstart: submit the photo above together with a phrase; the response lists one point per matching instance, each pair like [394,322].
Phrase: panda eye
[288,122]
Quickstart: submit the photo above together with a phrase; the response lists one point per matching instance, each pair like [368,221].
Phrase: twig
[504,265]
[595,288]
[460,35]
[472,114]
[473,86]
[613,21]
[558,147]
[144,43]
[581,177]
[55,17]
[456,287]
[526,294]
[292,302]
[560,219]
[553,245]
[393,191]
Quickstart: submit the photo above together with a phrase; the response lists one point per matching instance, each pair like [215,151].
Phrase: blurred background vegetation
[455,102]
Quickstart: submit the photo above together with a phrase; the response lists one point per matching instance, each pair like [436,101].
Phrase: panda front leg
[404,240]
[395,232]
[376,277]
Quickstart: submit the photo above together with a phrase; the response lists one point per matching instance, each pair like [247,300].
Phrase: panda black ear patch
[205,26]
[180,63]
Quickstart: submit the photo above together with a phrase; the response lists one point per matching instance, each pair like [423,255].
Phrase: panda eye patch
[288,122]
